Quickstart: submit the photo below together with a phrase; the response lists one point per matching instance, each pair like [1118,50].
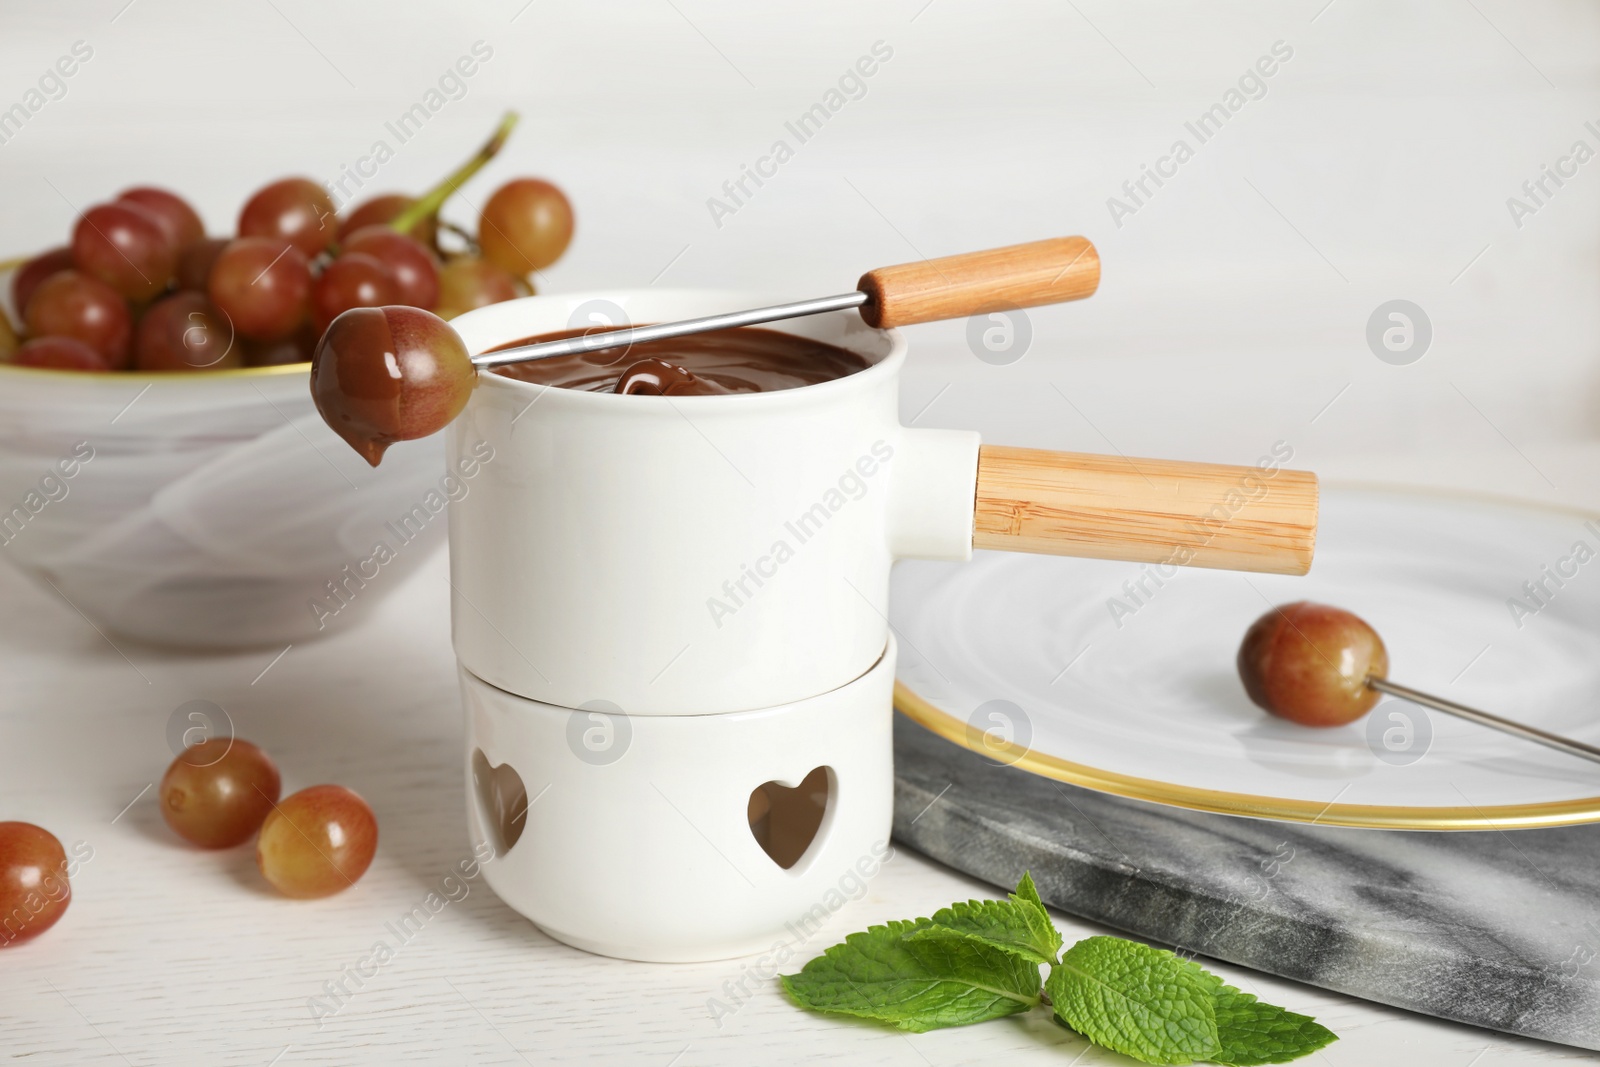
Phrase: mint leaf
[1026,890]
[1046,935]
[1143,1002]
[916,985]
[1020,925]
[1251,1032]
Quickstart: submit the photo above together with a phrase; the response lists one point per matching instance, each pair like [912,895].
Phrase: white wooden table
[172,955]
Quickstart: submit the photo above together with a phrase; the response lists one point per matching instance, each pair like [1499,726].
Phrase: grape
[263,286]
[185,331]
[382,375]
[468,282]
[381,210]
[59,353]
[34,891]
[317,842]
[1309,663]
[172,212]
[124,246]
[354,280]
[218,792]
[413,267]
[36,270]
[196,261]
[295,349]
[296,210]
[72,304]
[525,226]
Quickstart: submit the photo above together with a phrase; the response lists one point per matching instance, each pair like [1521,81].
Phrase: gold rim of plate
[1172,794]
[1367,816]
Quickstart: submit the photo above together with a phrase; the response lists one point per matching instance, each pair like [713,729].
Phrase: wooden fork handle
[1018,276]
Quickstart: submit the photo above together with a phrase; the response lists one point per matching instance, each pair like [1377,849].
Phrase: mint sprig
[980,960]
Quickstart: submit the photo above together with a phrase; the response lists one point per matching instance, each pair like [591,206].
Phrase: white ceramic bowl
[209,509]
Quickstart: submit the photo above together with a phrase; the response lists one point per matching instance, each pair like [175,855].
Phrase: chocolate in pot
[743,360]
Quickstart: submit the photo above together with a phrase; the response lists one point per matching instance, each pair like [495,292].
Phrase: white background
[1234,304]
[1232,314]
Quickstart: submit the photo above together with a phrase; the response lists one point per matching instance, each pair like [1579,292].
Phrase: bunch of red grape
[141,287]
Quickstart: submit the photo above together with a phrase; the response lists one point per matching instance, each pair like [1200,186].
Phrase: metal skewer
[1483,718]
[633,335]
[1051,271]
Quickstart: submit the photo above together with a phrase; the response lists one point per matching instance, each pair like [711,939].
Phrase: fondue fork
[1052,271]
[1159,512]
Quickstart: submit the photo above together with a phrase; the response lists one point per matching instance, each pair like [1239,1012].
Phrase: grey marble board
[1499,929]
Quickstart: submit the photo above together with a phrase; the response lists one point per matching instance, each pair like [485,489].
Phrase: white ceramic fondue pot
[670,615]
[691,555]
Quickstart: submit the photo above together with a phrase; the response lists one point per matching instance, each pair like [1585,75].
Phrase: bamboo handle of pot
[1146,510]
[1018,276]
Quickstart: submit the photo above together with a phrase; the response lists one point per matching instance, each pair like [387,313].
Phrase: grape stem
[469,242]
[434,198]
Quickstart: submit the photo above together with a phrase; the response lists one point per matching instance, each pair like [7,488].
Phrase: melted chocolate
[744,360]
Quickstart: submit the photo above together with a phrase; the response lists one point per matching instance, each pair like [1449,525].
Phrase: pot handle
[1261,518]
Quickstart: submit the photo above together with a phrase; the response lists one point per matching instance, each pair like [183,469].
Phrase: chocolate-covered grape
[381,375]
[317,842]
[34,891]
[1309,663]
[217,793]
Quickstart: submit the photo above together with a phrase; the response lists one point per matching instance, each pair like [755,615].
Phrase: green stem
[434,199]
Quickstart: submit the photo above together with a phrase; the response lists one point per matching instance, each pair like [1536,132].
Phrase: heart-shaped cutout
[785,819]
[502,801]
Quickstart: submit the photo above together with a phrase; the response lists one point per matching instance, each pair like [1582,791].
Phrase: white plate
[1025,659]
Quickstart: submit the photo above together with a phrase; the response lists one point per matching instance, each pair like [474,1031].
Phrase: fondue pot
[670,616]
